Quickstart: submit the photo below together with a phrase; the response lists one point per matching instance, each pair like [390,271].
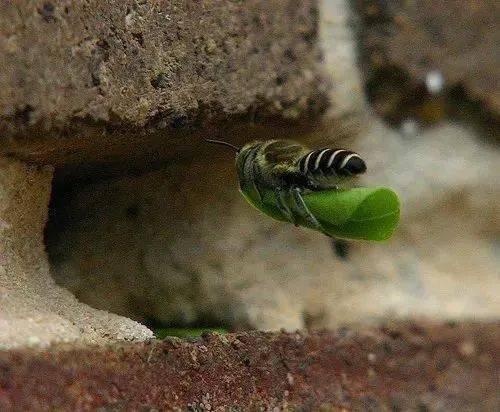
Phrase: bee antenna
[222,143]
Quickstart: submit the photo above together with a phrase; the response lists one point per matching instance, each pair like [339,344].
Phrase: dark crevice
[396,97]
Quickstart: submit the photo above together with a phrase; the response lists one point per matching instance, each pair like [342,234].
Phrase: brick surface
[397,367]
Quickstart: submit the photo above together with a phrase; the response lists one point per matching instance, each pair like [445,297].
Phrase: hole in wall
[126,236]
[116,237]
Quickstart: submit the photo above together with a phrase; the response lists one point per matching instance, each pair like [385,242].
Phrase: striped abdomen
[332,162]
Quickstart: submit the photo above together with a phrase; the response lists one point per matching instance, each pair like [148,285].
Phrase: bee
[290,169]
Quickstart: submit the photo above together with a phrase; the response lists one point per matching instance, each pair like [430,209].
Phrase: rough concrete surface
[149,68]
[33,310]
[412,42]
[417,367]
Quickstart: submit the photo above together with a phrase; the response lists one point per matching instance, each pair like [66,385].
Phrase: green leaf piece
[186,333]
[359,213]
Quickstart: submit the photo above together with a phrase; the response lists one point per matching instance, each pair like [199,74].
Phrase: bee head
[244,153]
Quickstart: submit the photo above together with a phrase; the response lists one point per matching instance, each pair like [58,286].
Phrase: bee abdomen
[339,162]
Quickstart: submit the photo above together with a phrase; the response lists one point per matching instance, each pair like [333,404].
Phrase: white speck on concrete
[434,81]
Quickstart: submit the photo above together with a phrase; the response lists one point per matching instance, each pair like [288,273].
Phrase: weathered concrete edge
[405,366]
[34,310]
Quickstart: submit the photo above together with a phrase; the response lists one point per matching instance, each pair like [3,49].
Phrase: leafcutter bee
[289,169]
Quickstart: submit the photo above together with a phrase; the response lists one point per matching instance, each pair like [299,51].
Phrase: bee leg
[340,248]
[283,205]
[255,186]
[304,211]
[259,195]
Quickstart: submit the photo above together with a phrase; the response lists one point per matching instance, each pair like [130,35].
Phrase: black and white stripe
[340,162]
